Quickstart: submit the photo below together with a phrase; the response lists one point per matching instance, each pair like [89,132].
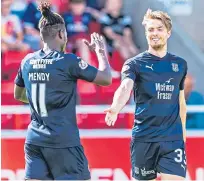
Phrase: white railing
[94,109]
[93,133]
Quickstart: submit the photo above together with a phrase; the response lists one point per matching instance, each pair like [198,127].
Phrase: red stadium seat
[84,121]
[62,5]
[88,92]
[12,60]
[14,57]
[107,93]
[7,97]
[94,27]
[116,61]
[22,121]
[7,87]
[97,121]
[7,121]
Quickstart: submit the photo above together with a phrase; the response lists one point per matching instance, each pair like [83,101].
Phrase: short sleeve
[127,21]
[129,70]
[181,86]
[80,69]
[105,20]
[19,78]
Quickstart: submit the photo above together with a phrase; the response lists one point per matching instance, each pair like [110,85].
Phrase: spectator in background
[30,19]
[18,7]
[117,29]
[96,4]
[11,29]
[60,6]
[194,120]
[77,22]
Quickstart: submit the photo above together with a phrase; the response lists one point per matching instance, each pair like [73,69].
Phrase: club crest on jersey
[83,65]
[137,170]
[125,68]
[175,67]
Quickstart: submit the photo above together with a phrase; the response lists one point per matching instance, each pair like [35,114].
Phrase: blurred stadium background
[107,148]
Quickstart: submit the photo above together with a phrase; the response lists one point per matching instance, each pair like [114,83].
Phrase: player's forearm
[23,97]
[104,64]
[120,99]
[183,111]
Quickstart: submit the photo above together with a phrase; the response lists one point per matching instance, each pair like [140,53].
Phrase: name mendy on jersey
[164,91]
[39,76]
[40,63]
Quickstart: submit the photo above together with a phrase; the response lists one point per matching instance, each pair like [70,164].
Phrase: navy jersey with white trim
[157,83]
[51,86]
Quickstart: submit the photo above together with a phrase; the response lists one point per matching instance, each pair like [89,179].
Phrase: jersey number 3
[40,94]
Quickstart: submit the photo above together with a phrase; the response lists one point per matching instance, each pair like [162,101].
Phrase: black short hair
[50,23]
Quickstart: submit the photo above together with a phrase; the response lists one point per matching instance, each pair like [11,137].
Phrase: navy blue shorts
[148,159]
[44,163]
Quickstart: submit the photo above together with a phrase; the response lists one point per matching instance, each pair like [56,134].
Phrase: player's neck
[159,53]
[49,47]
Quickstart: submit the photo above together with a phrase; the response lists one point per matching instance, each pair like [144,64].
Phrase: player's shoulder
[72,60]
[132,63]
[136,58]
[28,57]
[142,55]
[70,56]
[126,19]
[105,18]
[177,58]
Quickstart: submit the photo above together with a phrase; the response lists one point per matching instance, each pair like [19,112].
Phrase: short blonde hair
[159,15]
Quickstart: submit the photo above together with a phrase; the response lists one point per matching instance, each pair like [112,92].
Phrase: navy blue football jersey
[157,83]
[51,86]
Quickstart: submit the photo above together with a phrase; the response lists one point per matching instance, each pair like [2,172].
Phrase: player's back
[51,80]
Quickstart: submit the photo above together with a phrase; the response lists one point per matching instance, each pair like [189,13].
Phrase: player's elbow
[183,108]
[106,82]
[17,96]
[103,78]
[108,78]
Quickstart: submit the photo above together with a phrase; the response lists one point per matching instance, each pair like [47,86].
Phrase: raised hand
[97,42]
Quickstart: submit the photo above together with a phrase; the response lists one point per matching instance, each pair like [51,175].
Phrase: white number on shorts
[179,155]
[42,106]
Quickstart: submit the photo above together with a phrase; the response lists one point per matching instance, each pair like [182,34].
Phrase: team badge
[137,171]
[83,65]
[175,67]
[125,68]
